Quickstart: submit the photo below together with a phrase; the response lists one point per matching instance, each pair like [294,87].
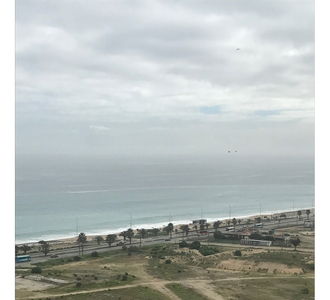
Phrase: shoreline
[177,224]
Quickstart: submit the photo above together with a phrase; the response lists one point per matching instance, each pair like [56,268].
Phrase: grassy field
[268,288]
[166,271]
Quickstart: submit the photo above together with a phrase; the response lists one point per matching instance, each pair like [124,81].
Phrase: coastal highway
[176,238]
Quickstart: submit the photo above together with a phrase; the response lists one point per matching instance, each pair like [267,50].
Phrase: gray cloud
[135,67]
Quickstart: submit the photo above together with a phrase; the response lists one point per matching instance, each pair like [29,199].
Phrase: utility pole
[130,223]
[229,212]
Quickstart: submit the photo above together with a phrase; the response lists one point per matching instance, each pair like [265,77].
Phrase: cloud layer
[164,76]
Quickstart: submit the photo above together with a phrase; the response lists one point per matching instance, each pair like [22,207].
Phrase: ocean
[58,197]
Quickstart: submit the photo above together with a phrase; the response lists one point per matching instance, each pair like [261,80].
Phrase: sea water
[58,197]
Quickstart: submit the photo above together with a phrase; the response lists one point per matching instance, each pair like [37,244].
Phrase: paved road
[176,238]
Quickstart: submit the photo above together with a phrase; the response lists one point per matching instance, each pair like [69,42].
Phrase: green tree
[170,226]
[99,239]
[295,242]
[308,213]
[239,221]
[81,241]
[110,238]
[299,214]
[155,231]
[143,232]
[185,230]
[258,219]
[45,247]
[207,225]
[25,248]
[234,221]
[123,234]
[17,248]
[202,227]
[130,234]
[216,225]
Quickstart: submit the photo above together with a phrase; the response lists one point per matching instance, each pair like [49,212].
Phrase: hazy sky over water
[167,77]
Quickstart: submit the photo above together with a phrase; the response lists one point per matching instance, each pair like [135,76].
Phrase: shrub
[208,251]
[76,258]
[124,247]
[133,249]
[195,245]
[78,284]
[238,253]
[94,254]
[36,270]
[124,278]
[183,244]
[168,261]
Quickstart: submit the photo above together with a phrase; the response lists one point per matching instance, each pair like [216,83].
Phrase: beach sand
[70,242]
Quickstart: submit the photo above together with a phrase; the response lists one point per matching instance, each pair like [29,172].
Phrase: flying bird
[237,49]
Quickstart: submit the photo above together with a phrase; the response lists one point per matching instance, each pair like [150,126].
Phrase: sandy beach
[67,242]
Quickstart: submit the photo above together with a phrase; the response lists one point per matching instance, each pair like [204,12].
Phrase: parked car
[53,256]
[120,243]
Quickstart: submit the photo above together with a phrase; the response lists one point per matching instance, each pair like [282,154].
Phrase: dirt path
[203,286]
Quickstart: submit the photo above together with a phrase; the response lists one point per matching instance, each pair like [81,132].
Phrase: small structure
[200,221]
[255,242]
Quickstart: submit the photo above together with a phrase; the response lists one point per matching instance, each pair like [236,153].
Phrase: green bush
[238,253]
[76,258]
[78,284]
[133,249]
[195,245]
[168,261]
[208,251]
[124,247]
[183,244]
[36,270]
[94,254]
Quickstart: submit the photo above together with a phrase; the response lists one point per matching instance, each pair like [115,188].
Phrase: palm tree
[234,221]
[99,239]
[299,214]
[130,234]
[202,227]
[216,225]
[185,230]
[110,238]
[207,225]
[308,213]
[25,248]
[155,231]
[81,241]
[258,219]
[170,226]
[123,234]
[239,221]
[143,232]
[44,247]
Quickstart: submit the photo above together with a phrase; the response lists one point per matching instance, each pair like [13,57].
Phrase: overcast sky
[165,77]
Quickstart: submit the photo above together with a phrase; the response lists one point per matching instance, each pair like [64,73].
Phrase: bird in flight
[237,49]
